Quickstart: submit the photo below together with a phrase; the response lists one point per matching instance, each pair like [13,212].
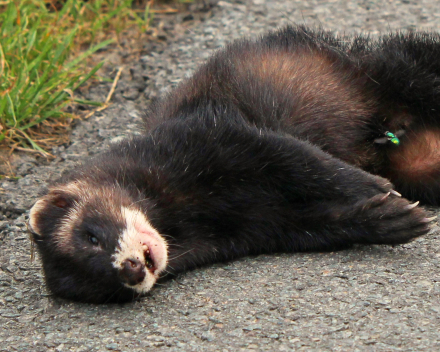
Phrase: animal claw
[412,206]
[428,220]
[385,196]
[397,194]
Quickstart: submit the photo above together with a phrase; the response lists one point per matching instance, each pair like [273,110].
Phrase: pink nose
[132,272]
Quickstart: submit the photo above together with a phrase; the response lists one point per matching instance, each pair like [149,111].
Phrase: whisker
[112,295]
[168,272]
[174,245]
[157,284]
[138,201]
[190,250]
[170,267]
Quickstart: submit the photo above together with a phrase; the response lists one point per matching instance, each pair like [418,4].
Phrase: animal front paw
[389,219]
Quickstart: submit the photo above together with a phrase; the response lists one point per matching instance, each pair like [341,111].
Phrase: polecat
[285,143]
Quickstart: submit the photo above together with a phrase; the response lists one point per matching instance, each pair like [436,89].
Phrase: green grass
[38,69]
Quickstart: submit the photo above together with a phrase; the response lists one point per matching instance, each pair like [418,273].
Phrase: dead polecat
[287,143]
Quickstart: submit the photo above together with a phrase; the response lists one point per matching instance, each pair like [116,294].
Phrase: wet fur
[269,146]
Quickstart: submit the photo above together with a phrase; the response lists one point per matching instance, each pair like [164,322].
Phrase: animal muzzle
[132,272]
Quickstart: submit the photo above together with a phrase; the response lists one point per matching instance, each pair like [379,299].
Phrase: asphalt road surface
[370,298]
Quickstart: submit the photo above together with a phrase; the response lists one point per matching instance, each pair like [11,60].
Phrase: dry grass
[44,46]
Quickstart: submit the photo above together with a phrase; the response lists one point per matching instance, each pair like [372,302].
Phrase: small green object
[392,138]
[390,134]
[395,141]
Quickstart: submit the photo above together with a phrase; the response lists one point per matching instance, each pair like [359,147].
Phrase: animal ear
[61,199]
[48,207]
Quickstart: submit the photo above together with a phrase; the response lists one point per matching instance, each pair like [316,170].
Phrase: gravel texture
[370,298]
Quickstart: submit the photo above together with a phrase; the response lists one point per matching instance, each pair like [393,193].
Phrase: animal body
[290,142]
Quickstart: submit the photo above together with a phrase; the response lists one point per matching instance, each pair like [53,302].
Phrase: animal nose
[132,272]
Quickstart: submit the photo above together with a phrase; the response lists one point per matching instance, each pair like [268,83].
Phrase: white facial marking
[139,238]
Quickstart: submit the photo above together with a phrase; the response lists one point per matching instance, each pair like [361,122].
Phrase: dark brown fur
[275,144]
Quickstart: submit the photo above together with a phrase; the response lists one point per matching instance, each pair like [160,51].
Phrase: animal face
[96,244]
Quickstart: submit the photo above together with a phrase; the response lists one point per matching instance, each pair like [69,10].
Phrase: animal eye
[93,240]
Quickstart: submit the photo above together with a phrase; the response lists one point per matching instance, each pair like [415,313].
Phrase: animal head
[96,244]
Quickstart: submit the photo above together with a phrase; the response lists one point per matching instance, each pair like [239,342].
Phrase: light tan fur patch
[310,75]
[63,234]
[419,156]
